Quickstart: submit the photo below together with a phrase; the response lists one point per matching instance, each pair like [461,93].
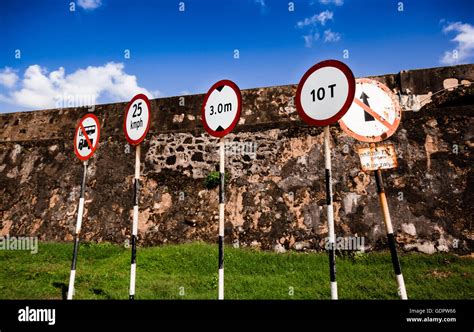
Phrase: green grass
[162,272]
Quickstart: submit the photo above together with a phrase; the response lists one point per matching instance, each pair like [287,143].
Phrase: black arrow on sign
[367,116]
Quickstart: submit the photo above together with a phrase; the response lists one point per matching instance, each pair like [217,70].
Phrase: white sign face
[325,92]
[380,157]
[375,113]
[137,119]
[86,138]
[221,108]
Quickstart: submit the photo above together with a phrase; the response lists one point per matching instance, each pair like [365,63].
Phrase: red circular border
[347,104]
[396,123]
[138,141]
[89,115]
[236,89]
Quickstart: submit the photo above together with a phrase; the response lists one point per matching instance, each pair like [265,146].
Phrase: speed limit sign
[137,119]
[135,125]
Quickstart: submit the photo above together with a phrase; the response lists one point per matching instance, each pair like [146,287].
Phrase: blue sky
[173,52]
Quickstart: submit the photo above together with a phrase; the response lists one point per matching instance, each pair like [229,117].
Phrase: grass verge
[189,271]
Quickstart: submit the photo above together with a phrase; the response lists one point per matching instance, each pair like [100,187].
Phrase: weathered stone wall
[275,193]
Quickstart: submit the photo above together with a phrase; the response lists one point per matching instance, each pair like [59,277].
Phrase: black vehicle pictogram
[83,142]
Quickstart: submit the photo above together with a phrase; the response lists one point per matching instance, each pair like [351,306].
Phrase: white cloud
[310,39]
[8,77]
[89,4]
[332,2]
[320,18]
[330,36]
[311,22]
[263,6]
[40,89]
[464,38]
[156,93]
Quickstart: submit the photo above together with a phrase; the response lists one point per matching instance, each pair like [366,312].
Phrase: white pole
[80,212]
[133,265]
[221,216]
[330,215]
[392,244]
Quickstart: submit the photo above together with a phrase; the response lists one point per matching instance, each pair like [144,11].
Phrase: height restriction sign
[325,93]
[86,138]
[221,108]
[375,113]
[137,119]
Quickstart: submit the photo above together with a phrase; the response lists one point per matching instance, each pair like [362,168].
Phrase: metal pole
[221,217]
[330,214]
[133,263]
[80,211]
[390,237]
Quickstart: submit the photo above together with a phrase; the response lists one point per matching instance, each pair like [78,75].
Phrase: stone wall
[275,193]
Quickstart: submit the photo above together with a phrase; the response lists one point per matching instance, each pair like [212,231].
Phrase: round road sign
[325,93]
[86,138]
[375,113]
[221,109]
[137,119]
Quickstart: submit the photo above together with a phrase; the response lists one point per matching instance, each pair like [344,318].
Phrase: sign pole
[133,263]
[330,215]
[80,212]
[136,124]
[324,94]
[374,118]
[221,216]
[86,141]
[220,113]
[390,237]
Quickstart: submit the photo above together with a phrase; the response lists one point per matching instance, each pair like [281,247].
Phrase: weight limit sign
[324,95]
[220,113]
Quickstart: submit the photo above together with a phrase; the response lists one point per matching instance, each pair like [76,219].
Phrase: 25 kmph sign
[136,122]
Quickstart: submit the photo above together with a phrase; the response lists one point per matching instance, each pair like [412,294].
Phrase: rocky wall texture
[275,190]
